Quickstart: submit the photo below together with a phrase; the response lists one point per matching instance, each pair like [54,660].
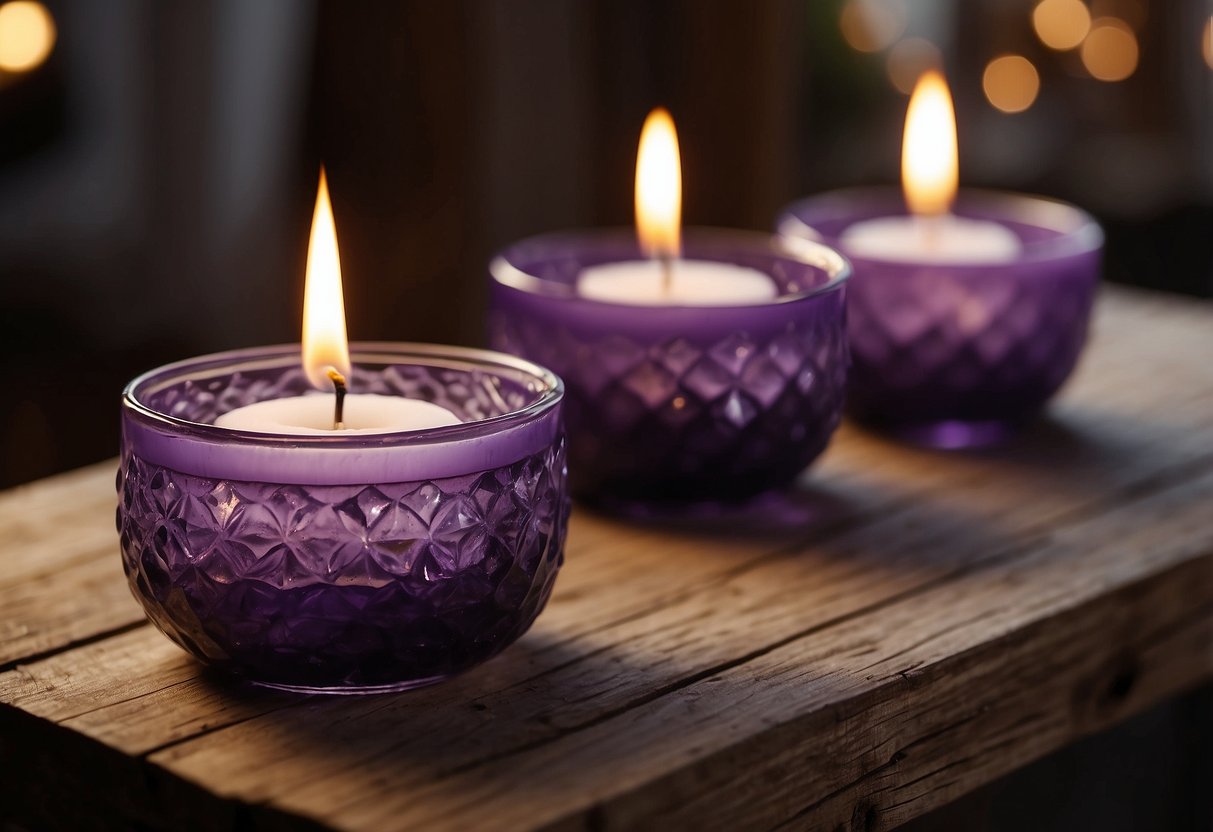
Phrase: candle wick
[339,393]
[930,227]
[667,274]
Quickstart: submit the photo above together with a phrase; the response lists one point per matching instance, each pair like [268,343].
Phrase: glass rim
[383,352]
[807,252]
[1077,229]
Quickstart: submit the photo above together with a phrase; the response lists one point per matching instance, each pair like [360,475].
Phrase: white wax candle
[946,239]
[313,414]
[692,283]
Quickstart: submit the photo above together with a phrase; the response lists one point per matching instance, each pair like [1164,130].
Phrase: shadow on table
[1054,442]
[785,514]
[1062,450]
[1063,440]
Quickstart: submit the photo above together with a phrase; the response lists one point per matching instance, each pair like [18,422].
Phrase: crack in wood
[67,647]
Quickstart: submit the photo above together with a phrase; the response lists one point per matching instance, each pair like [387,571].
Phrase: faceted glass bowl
[673,405]
[955,355]
[344,564]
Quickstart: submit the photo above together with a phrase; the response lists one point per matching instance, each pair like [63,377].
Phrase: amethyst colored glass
[344,564]
[677,405]
[960,355]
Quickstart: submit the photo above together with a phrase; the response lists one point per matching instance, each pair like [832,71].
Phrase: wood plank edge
[106,789]
[67,647]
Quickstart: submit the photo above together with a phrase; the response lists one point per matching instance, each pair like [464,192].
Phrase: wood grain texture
[57,581]
[905,627]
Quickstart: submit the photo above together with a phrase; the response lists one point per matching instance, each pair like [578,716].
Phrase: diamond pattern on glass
[929,346]
[673,420]
[315,586]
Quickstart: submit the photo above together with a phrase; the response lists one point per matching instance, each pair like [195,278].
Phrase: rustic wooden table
[915,625]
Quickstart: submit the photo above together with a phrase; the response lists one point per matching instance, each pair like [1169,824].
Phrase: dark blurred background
[158,165]
[158,161]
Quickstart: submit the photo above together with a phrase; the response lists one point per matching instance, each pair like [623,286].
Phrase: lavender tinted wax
[674,403]
[345,562]
[957,353]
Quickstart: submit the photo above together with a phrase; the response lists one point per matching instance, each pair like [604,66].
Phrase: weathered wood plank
[102,678]
[880,526]
[69,606]
[765,601]
[61,580]
[56,522]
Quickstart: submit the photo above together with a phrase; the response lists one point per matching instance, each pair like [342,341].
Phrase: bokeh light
[27,35]
[1110,50]
[872,25]
[1011,83]
[909,59]
[1061,24]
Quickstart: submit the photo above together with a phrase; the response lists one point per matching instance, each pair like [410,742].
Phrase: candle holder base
[355,690]
[775,512]
[952,434]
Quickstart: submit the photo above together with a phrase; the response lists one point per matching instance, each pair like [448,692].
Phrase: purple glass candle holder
[344,563]
[956,355]
[676,405]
